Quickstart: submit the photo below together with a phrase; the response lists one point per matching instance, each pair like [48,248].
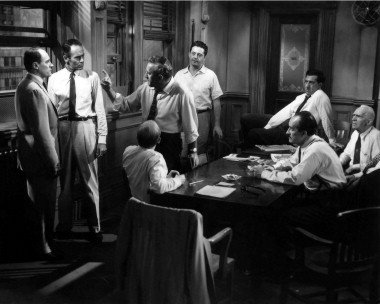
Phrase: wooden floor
[86,276]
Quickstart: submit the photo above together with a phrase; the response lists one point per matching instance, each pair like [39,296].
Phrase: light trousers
[78,141]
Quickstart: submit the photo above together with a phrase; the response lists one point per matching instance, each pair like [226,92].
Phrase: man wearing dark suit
[37,141]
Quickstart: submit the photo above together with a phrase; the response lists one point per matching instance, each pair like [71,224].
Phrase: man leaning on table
[170,105]
[314,164]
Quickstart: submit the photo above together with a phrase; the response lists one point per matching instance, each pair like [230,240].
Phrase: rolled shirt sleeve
[99,109]
[159,182]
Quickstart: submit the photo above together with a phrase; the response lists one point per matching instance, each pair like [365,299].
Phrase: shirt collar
[366,132]
[310,140]
[201,70]
[36,78]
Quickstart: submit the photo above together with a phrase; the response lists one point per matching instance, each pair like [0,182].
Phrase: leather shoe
[52,256]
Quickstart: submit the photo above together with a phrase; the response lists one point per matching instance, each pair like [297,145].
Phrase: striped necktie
[153,108]
[372,163]
[357,151]
[303,103]
[73,96]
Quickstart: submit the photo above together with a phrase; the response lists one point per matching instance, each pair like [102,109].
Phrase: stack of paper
[215,191]
[273,148]
[234,157]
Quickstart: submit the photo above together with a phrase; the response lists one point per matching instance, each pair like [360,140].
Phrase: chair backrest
[342,130]
[162,256]
[357,241]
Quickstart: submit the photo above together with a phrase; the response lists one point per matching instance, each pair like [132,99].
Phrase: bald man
[146,168]
[364,144]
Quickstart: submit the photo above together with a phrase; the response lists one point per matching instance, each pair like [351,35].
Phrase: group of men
[62,130]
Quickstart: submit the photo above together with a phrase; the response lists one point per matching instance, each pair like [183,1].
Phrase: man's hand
[172,173]
[101,149]
[182,178]
[106,82]
[217,132]
[194,160]
[352,170]
[350,179]
[257,170]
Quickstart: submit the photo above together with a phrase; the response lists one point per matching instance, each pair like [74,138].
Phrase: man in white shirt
[145,168]
[204,85]
[266,130]
[364,144]
[165,101]
[82,134]
[314,164]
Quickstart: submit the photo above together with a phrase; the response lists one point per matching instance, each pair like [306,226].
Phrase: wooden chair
[336,263]
[342,130]
[163,258]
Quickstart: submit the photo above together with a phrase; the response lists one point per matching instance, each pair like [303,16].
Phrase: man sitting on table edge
[363,146]
[314,164]
[261,129]
[145,168]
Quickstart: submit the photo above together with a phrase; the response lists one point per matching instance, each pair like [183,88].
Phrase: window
[20,27]
[159,29]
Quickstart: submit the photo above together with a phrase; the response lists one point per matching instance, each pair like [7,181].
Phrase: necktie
[73,96]
[299,155]
[153,108]
[303,103]
[357,151]
[372,163]
[45,86]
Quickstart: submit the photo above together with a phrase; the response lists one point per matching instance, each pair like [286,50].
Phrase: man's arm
[37,113]
[190,126]
[326,115]
[217,129]
[159,181]
[282,115]
[125,104]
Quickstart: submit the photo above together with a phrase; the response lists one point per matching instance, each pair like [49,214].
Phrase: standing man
[204,85]
[37,142]
[83,130]
[364,143]
[267,130]
[165,101]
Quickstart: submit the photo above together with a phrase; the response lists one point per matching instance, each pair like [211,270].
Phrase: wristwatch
[193,150]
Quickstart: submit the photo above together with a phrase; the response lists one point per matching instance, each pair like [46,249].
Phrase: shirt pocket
[83,89]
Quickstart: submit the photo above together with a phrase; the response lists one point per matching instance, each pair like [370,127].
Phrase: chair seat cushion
[317,259]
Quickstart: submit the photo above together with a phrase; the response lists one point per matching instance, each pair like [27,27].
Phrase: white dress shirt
[146,169]
[203,84]
[89,96]
[318,104]
[319,167]
[370,147]
[175,108]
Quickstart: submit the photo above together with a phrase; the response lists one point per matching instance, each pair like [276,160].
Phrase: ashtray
[231,177]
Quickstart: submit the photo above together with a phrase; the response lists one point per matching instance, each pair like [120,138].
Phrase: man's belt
[203,110]
[77,118]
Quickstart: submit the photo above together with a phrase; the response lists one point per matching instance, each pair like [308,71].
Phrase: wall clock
[366,12]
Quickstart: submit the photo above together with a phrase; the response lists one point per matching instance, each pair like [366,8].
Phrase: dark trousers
[253,132]
[170,147]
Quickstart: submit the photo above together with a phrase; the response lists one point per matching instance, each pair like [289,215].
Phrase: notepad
[215,191]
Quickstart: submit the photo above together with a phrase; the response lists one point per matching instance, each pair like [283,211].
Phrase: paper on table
[234,157]
[272,148]
[215,191]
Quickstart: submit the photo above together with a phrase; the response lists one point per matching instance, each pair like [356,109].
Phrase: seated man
[364,144]
[145,168]
[266,130]
[314,164]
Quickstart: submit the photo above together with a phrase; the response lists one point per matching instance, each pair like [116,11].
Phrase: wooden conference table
[211,174]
